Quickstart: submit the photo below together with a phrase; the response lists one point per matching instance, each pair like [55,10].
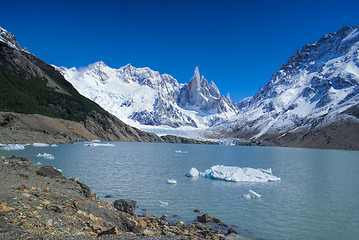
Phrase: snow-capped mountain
[10,40]
[314,88]
[141,96]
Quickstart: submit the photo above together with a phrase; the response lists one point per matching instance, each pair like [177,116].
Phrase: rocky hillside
[141,96]
[317,89]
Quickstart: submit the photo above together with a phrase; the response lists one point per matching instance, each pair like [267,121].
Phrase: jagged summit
[10,40]
[141,96]
[315,87]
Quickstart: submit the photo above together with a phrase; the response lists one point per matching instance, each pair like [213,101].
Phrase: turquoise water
[317,198]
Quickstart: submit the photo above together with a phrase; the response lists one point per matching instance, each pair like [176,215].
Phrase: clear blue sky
[237,44]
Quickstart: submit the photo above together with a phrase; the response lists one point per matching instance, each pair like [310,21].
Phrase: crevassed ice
[237,174]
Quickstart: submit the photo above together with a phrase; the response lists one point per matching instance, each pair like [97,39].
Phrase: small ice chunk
[172,181]
[164,203]
[99,145]
[53,145]
[179,151]
[254,194]
[40,145]
[193,172]
[38,163]
[45,155]
[10,147]
[247,196]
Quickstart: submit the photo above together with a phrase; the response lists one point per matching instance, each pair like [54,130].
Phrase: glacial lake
[317,197]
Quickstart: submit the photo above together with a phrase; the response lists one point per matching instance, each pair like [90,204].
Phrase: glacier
[235,174]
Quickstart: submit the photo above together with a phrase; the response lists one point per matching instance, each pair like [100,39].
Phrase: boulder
[205,218]
[125,205]
[48,171]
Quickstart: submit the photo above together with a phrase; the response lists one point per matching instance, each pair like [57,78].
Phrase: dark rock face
[48,171]
[125,205]
[205,218]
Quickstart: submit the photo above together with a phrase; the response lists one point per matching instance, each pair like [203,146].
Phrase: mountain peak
[10,39]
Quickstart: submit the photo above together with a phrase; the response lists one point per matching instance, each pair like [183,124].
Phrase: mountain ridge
[310,92]
[141,96]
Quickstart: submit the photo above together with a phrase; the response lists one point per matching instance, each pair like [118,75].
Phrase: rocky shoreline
[40,203]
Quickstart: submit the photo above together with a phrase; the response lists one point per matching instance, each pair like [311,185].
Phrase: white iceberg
[40,145]
[179,151]
[163,203]
[99,145]
[254,194]
[237,174]
[45,155]
[10,147]
[172,181]
[53,145]
[193,172]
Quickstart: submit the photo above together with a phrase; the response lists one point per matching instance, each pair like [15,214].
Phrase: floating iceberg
[163,203]
[53,145]
[10,147]
[179,151]
[45,155]
[254,194]
[193,172]
[40,145]
[99,145]
[172,181]
[237,174]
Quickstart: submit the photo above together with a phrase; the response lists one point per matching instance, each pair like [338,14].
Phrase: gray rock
[125,205]
[205,218]
[48,171]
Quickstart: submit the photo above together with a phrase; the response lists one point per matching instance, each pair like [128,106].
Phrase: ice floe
[237,174]
[13,146]
[193,172]
[38,163]
[45,155]
[172,181]
[40,145]
[95,144]
[254,194]
[180,151]
[163,203]
[53,145]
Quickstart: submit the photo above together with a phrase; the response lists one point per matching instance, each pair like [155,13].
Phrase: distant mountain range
[141,96]
[312,101]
